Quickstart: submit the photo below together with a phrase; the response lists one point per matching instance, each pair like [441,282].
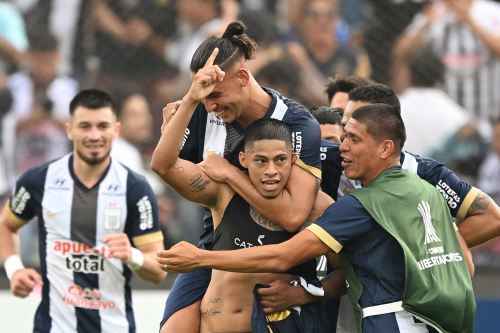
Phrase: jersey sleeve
[342,223]
[458,194]
[25,200]
[306,137]
[194,136]
[142,224]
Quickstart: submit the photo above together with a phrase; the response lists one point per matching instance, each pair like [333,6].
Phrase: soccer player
[230,101]
[329,120]
[227,303]
[395,233]
[98,224]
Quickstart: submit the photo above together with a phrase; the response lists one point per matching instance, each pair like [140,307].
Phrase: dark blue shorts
[188,288]
[311,319]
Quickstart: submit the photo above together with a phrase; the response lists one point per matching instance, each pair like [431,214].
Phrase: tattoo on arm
[479,205]
[198,183]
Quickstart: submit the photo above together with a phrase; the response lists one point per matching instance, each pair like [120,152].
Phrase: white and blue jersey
[458,194]
[207,134]
[84,288]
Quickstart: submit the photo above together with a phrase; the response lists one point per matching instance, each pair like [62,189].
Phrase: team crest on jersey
[430,233]
[112,218]
[263,222]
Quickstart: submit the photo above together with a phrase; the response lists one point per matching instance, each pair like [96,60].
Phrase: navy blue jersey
[369,248]
[207,134]
[458,194]
[84,288]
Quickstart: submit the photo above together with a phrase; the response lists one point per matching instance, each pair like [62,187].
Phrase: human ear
[243,159]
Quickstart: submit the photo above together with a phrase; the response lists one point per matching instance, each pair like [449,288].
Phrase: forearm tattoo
[479,205]
[198,183]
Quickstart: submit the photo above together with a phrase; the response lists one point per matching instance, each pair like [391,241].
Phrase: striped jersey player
[97,223]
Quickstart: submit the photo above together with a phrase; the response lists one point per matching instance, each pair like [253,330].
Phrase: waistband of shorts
[382,309]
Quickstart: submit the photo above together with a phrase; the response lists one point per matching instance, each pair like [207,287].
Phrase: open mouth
[270,185]
[346,162]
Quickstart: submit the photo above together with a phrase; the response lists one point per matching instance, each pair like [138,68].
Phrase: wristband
[137,259]
[12,265]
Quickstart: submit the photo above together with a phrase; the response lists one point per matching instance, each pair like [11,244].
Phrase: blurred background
[445,70]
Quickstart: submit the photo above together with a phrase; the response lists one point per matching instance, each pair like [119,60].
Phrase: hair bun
[234,29]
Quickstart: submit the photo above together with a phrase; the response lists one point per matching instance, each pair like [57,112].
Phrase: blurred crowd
[442,57]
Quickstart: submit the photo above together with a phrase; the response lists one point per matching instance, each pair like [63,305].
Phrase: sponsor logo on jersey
[437,253]
[217,122]
[59,183]
[18,204]
[241,243]
[87,298]
[111,189]
[145,213]
[297,142]
[82,258]
[89,264]
[451,197]
[322,153]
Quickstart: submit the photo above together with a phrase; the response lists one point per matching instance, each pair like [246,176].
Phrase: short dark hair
[376,93]
[383,122]
[234,45]
[327,115]
[92,99]
[344,83]
[427,68]
[268,129]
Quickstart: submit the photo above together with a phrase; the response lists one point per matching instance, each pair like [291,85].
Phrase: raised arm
[187,178]
[462,9]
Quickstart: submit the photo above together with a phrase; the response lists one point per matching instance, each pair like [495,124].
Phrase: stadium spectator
[330,122]
[466,35]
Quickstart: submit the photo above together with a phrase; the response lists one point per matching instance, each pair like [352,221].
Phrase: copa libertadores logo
[430,233]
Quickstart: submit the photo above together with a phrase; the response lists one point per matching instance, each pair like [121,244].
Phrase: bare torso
[228,302]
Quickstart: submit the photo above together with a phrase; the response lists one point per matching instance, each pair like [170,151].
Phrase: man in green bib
[405,265]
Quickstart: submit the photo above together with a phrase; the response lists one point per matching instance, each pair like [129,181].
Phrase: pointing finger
[211,59]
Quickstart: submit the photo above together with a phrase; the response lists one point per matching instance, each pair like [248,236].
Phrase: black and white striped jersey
[472,74]
[84,289]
